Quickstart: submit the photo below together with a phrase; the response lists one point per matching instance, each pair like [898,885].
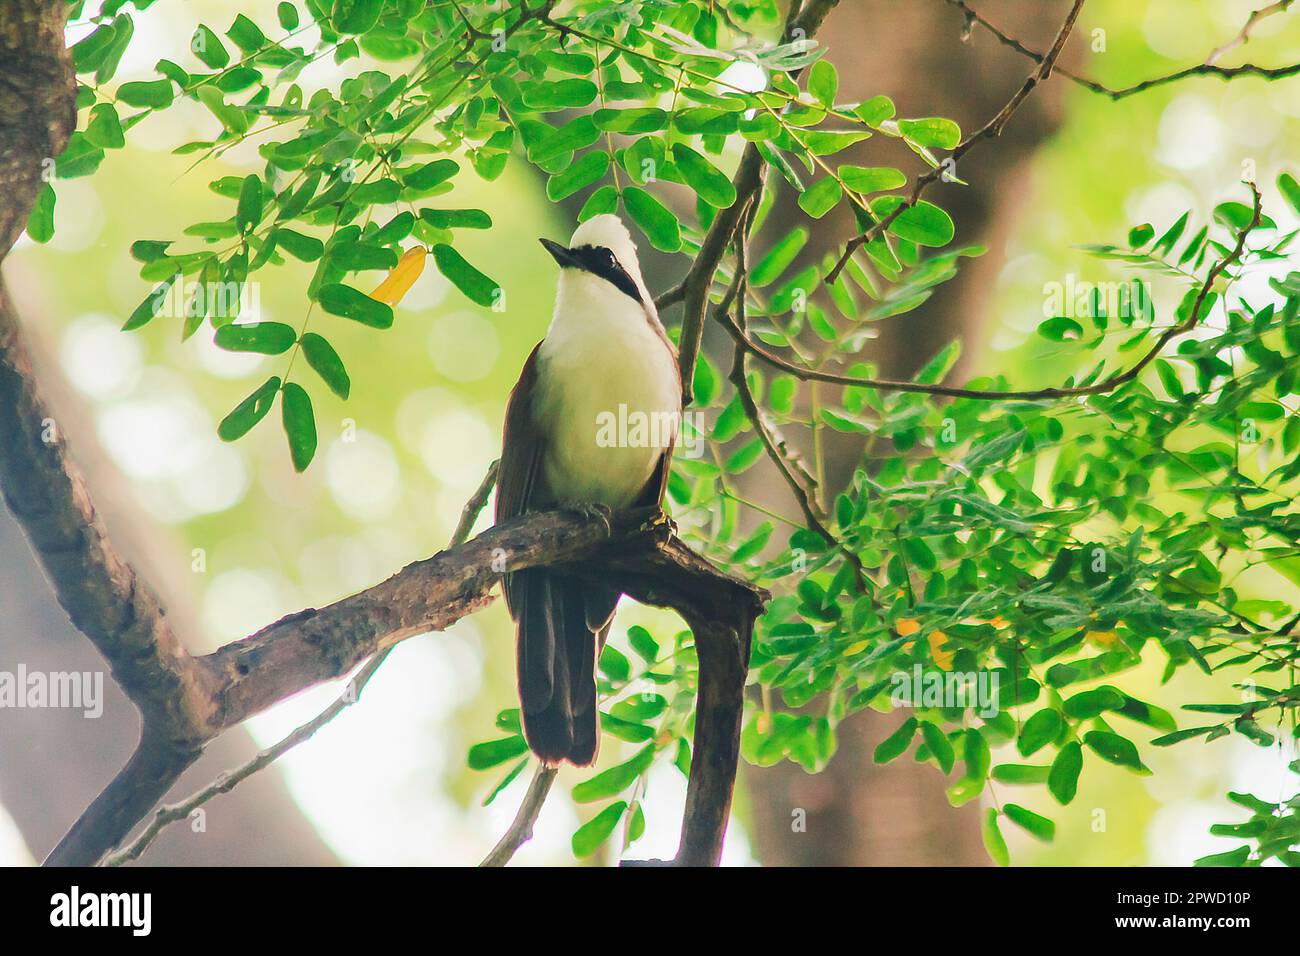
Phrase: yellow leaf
[403,276]
[856,648]
[906,626]
[1102,638]
[942,658]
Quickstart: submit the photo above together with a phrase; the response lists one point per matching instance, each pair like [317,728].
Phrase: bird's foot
[603,512]
[660,523]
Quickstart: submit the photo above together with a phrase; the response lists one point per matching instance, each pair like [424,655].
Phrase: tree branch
[521,830]
[1107,384]
[634,553]
[1208,68]
[229,780]
[748,182]
[992,129]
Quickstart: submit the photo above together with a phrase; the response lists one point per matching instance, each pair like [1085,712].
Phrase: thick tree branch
[229,780]
[634,552]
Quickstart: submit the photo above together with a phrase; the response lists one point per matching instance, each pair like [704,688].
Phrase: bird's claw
[661,523]
[603,512]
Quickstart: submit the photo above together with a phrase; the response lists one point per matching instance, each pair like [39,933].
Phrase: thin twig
[992,129]
[227,781]
[1097,388]
[1208,68]
[1243,36]
[521,830]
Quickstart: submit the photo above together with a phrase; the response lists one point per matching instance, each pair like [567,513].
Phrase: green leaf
[1040,729]
[306,248]
[249,211]
[601,201]
[589,837]
[40,224]
[932,132]
[632,121]
[338,299]
[1290,189]
[1060,328]
[475,285]
[821,197]
[153,304]
[430,174]
[207,46]
[896,743]
[1237,857]
[777,259]
[616,779]
[875,111]
[577,176]
[1037,825]
[993,842]
[568,94]
[356,16]
[156,94]
[1063,780]
[924,223]
[232,118]
[492,753]
[702,176]
[299,424]
[250,411]
[104,128]
[287,14]
[1018,773]
[654,218]
[937,742]
[872,179]
[823,82]
[456,218]
[268,338]
[320,355]
[1115,749]
[641,641]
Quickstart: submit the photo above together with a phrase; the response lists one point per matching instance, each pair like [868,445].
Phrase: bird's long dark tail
[562,621]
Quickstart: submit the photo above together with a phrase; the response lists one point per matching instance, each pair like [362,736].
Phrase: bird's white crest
[608,230]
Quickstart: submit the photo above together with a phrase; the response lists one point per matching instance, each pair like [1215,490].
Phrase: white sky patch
[78,216]
[363,476]
[1190,134]
[371,780]
[100,360]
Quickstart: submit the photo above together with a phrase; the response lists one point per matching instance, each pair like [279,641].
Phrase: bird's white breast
[608,398]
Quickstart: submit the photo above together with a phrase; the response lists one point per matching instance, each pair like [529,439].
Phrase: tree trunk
[53,761]
[858,813]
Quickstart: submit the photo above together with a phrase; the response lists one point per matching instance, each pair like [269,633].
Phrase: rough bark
[637,555]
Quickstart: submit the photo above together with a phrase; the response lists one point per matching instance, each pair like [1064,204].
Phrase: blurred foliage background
[240,539]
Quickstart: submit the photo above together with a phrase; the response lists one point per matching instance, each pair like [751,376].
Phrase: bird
[590,426]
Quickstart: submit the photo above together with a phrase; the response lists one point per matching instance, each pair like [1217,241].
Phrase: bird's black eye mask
[599,261]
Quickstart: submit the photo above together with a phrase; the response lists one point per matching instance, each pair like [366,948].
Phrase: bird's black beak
[559,253]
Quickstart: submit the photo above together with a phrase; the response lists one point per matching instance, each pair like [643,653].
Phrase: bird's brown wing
[522,447]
